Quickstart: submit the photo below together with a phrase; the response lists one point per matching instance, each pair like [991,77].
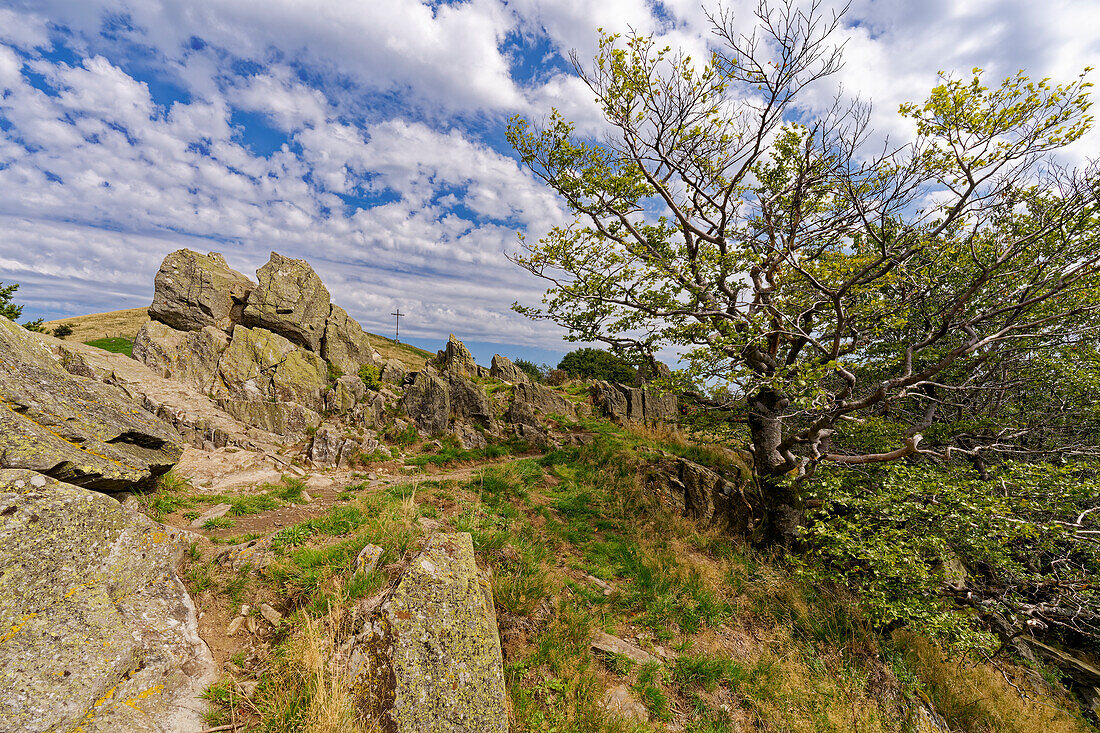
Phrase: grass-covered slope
[738,642]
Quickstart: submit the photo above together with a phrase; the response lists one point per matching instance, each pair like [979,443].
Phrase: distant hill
[126,324]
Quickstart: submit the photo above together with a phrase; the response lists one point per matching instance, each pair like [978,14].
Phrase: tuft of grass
[114,344]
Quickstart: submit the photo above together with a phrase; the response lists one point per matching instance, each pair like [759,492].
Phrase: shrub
[63,330]
[371,377]
[533,370]
[590,363]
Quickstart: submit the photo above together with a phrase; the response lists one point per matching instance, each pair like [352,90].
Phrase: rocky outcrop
[504,370]
[429,658]
[334,445]
[290,300]
[469,401]
[428,402]
[347,392]
[345,345]
[544,401]
[701,493]
[261,366]
[639,404]
[287,419]
[192,291]
[73,428]
[99,633]
[393,371]
[457,359]
[188,356]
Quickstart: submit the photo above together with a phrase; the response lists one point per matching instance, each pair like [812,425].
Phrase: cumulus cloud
[368,137]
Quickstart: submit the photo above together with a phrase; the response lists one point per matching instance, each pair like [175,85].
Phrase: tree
[816,283]
[588,363]
[8,309]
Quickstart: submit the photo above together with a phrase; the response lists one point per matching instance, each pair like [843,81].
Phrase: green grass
[451,454]
[116,345]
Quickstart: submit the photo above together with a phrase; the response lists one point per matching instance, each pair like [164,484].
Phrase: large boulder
[290,300]
[428,401]
[287,419]
[703,494]
[457,359]
[261,366]
[193,290]
[429,659]
[188,356]
[347,392]
[73,428]
[345,345]
[639,404]
[99,633]
[506,371]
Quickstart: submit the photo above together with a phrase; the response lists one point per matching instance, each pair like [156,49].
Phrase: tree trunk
[782,505]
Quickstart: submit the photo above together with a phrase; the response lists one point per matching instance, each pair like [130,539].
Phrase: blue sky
[367,136]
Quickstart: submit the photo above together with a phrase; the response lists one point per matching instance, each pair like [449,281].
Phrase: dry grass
[103,325]
[979,698]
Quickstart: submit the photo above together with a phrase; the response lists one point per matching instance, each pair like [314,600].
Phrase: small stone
[235,626]
[214,512]
[609,644]
[367,560]
[253,625]
[306,497]
[619,701]
[248,687]
[245,609]
[273,617]
[372,476]
[430,525]
[607,588]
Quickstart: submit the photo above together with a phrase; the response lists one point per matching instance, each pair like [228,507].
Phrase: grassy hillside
[125,324]
[739,643]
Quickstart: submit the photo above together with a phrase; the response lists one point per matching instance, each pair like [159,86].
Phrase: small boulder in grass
[367,560]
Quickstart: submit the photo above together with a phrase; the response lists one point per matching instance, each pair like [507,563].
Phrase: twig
[231,726]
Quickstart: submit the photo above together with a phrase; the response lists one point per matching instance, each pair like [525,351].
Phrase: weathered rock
[609,400]
[504,370]
[619,701]
[261,366]
[331,447]
[367,559]
[428,402]
[544,401]
[215,512]
[235,625]
[702,494]
[608,644]
[370,412]
[429,659]
[1080,671]
[74,429]
[290,300]
[346,393]
[393,371]
[193,290]
[100,634]
[469,401]
[640,404]
[345,345]
[188,356]
[470,437]
[270,615]
[280,418]
[457,359]
[256,553]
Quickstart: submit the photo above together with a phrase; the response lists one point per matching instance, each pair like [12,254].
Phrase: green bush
[371,377]
[63,330]
[590,363]
[531,369]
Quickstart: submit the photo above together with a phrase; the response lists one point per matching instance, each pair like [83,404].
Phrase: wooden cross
[397,333]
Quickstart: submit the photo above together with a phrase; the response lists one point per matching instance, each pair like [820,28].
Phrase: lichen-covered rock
[279,418]
[345,345]
[262,366]
[504,370]
[469,401]
[457,359]
[187,356]
[429,659]
[640,404]
[74,428]
[393,371]
[609,400]
[99,634]
[428,402]
[347,392]
[290,300]
[193,290]
[703,494]
[544,400]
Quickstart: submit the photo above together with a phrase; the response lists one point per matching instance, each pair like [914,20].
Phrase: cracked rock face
[187,356]
[429,659]
[289,300]
[261,366]
[73,428]
[346,345]
[193,290]
[97,633]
